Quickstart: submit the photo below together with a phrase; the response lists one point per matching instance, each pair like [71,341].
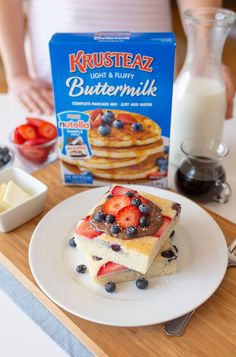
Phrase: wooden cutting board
[211,331]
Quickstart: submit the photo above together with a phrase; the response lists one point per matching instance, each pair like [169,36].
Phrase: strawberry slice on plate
[128,216]
[47,131]
[35,121]
[86,229]
[114,204]
[166,221]
[27,131]
[17,137]
[110,267]
[126,118]
[121,190]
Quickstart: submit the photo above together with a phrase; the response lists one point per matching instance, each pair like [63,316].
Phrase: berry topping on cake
[144,209]
[128,216]
[81,268]
[86,229]
[115,229]
[109,268]
[113,205]
[126,118]
[136,201]
[108,118]
[95,114]
[110,287]
[99,216]
[144,221]
[118,124]
[109,219]
[142,283]
[120,191]
[131,232]
[137,127]
[166,221]
[104,130]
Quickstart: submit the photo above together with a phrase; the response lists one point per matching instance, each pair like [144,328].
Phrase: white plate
[201,268]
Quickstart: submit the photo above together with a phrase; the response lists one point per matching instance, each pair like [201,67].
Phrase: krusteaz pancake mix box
[113,95]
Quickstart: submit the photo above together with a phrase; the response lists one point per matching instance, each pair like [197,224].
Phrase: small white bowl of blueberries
[6,157]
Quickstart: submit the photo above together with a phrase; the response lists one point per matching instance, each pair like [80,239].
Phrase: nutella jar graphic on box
[113,94]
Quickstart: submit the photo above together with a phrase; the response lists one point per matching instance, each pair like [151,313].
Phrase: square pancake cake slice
[127,227]
[103,271]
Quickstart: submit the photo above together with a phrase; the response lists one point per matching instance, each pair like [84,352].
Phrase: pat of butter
[3,206]
[14,195]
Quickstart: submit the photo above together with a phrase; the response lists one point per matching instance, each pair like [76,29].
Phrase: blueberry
[81,268]
[172,234]
[144,221]
[104,130]
[110,287]
[137,127]
[115,229]
[96,258]
[136,202]
[167,253]
[108,118]
[129,194]
[6,158]
[99,216]
[166,149]
[4,150]
[1,157]
[108,197]
[145,209]
[142,283]
[115,247]
[118,124]
[161,161]
[72,242]
[131,231]
[109,218]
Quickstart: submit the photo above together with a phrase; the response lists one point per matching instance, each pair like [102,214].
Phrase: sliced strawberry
[38,141]
[128,216]
[35,154]
[86,229]
[110,267]
[121,190]
[114,204]
[97,122]
[47,131]
[35,121]
[126,118]
[154,175]
[166,221]
[95,113]
[17,137]
[143,200]
[28,132]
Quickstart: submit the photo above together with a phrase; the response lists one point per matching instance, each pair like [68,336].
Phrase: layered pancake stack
[125,145]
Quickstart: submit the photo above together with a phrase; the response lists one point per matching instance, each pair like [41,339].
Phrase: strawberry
[166,221]
[114,204]
[47,131]
[86,229]
[128,216]
[35,121]
[154,175]
[38,141]
[143,200]
[17,137]
[27,131]
[95,113]
[126,118]
[121,190]
[110,267]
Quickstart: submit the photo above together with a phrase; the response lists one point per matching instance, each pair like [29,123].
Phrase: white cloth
[47,17]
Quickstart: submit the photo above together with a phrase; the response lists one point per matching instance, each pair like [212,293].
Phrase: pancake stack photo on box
[127,236]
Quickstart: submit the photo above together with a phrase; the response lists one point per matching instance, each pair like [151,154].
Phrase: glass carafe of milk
[199,94]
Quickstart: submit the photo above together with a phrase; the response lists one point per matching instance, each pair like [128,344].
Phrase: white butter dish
[23,212]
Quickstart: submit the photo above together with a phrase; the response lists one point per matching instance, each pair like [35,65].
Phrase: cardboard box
[113,94]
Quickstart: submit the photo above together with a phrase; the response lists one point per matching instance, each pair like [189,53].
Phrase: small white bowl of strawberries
[35,142]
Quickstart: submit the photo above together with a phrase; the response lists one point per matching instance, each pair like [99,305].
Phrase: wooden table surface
[211,331]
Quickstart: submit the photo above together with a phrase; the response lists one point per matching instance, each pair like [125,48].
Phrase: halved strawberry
[35,121]
[126,118]
[111,267]
[154,175]
[17,137]
[27,131]
[114,204]
[38,141]
[128,216]
[47,131]
[95,113]
[86,229]
[121,190]
[166,221]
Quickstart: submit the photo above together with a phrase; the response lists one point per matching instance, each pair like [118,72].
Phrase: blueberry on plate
[104,130]
[161,161]
[144,209]
[137,127]
[118,124]
[131,232]
[99,216]
[136,201]
[72,242]
[144,221]
[108,118]
[142,283]
[116,247]
[109,219]
[110,287]
[115,229]
[81,268]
